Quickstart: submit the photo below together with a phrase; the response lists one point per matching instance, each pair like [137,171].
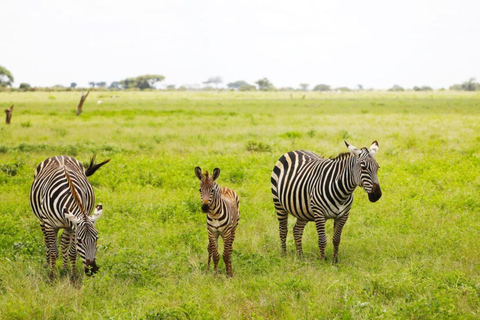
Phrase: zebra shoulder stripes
[61,197]
[312,188]
[222,208]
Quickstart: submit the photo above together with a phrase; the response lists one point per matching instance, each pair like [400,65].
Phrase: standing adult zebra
[312,188]
[61,197]
[222,208]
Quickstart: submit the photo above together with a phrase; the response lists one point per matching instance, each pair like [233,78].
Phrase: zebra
[61,197]
[222,208]
[312,188]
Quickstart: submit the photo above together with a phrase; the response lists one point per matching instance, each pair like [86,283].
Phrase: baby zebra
[222,208]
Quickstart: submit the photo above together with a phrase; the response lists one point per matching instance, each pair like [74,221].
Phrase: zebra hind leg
[227,253]
[297,235]
[283,228]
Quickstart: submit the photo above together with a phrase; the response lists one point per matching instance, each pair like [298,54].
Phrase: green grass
[414,254]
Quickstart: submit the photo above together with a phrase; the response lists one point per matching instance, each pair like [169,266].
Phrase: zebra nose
[376,193]
[205,207]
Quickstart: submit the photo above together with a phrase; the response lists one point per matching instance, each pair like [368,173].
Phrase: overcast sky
[376,43]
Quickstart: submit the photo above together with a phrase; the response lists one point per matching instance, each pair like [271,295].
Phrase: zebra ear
[97,213]
[70,216]
[374,148]
[352,149]
[216,173]
[198,173]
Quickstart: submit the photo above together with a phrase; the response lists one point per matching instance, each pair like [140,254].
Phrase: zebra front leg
[337,235]
[47,256]
[297,235]
[72,254]
[52,250]
[283,229]
[322,238]
[64,244]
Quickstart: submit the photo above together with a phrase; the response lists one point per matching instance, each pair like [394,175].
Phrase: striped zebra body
[312,188]
[222,208]
[61,198]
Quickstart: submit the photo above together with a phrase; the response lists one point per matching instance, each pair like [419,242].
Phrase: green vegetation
[414,254]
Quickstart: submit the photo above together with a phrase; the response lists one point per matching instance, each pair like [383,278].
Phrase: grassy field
[414,254]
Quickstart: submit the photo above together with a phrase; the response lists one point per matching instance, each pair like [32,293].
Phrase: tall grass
[414,254]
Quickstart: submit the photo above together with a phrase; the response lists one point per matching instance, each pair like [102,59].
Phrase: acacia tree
[141,82]
[304,86]
[6,78]
[237,84]
[265,84]
[215,80]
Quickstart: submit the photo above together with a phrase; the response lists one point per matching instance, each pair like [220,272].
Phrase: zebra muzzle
[205,208]
[91,268]
[376,193]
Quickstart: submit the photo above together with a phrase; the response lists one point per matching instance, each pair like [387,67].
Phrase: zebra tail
[74,192]
[94,167]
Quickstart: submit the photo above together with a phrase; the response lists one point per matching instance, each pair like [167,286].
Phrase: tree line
[149,81]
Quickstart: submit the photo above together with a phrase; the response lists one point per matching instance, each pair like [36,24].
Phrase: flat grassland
[414,254]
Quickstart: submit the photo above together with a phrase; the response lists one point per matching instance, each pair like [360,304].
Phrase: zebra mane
[341,156]
[75,194]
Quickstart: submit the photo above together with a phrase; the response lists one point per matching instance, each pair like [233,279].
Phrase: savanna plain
[414,254]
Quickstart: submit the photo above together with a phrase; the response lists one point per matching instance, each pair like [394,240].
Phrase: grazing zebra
[312,188]
[61,197]
[222,208]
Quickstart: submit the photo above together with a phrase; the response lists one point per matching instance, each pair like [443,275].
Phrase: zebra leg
[210,248]
[337,235]
[297,235]
[227,253]
[72,254]
[322,238]
[64,243]
[45,239]
[283,228]
[52,250]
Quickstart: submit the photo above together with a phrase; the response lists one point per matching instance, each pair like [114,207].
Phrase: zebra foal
[61,197]
[312,188]
[222,208]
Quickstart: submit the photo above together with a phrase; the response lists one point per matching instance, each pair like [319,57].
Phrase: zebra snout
[205,208]
[91,268]
[376,193]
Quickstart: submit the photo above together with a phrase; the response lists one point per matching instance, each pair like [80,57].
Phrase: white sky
[376,43]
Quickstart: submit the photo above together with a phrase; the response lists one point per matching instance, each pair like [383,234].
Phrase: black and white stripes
[222,208]
[61,197]
[312,188]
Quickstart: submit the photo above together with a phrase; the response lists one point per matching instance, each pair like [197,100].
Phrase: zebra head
[366,169]
[208,186]
[86,237]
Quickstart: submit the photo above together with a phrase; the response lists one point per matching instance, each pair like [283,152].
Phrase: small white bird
[99,101]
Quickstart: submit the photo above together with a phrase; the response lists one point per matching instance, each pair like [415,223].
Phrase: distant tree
[101,84]
[322,87]
[147,81]
[170,87]
[247,87]
[237,84]
[359,87]
[24,86]
[265,85]
[422,88]
[469,85]
[304,86]
[215,80]
[114,85]
[6,78]
[91,84]
[73,85]
[396,87]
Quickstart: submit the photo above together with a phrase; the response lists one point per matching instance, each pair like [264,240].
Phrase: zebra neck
[347,177]
[215,206]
